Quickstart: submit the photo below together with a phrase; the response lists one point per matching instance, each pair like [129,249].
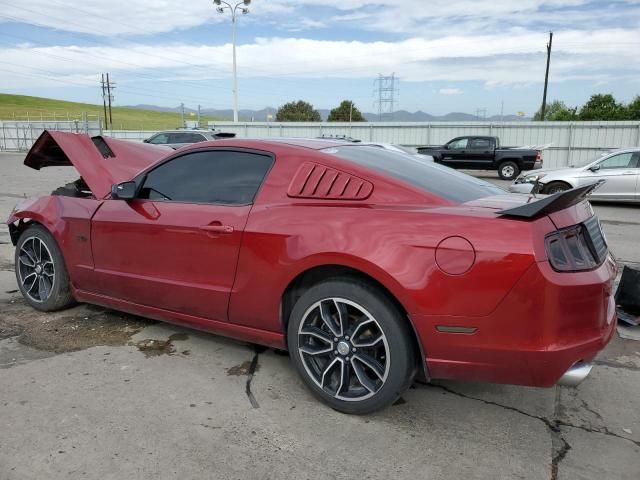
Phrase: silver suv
[179,138]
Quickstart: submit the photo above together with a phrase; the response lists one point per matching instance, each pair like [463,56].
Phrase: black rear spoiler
[552,203]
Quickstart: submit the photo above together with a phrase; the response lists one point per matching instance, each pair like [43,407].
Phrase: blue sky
[448,55]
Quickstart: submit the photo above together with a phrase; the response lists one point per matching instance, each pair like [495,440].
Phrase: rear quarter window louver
[313,180]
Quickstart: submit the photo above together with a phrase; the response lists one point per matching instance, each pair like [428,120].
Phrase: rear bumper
[549,323]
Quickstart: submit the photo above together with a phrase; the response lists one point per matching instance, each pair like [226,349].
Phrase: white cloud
[450,91]
[596,55]
[140,17]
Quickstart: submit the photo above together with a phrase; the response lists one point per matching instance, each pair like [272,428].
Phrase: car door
[175,246]
[454,154]
[620,171]
[480,153]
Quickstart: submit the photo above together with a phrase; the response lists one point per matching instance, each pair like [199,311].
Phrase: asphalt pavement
[89,393]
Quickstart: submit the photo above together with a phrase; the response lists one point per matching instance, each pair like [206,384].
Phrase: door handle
[217,228]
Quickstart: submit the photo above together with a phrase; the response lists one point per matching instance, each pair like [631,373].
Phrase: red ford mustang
[368,265]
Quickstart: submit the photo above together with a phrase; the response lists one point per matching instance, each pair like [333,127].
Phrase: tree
[299,111]
[602,107]
[346,112]
[633,109]
[556,111]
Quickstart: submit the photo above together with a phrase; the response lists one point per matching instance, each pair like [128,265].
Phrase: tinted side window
[480,143]
[191,138]
[225,177]
[178,138]
[459,144]
[623,160]
[159,139]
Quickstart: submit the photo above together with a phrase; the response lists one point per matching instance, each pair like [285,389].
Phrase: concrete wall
[569,143]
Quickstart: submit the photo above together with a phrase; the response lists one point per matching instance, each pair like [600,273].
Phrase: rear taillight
[572,250]
[539,157]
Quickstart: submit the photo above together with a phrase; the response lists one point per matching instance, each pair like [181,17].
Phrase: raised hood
[101,161]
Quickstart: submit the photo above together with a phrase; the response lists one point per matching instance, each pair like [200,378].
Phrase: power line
[386,94]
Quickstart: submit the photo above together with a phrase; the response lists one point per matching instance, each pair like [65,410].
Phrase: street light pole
[221,7]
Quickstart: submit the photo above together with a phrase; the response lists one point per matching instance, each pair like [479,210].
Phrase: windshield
[431,177]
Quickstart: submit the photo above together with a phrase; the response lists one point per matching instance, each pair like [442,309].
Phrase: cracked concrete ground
[91,393]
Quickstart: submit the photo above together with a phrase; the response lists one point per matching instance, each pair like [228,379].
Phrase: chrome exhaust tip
[575,375]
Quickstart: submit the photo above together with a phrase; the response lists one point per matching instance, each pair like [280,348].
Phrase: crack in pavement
[554,425]
[608,363]
[250,373]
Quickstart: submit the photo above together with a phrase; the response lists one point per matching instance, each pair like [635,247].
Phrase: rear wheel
[556,187]
[351,346]
[40,271]
[508,170]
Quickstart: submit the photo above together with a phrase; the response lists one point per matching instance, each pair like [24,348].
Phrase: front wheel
[508,170]
[556,187]
[351,346]
[40,271]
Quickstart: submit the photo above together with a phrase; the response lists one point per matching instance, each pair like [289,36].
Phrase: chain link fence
[19,135]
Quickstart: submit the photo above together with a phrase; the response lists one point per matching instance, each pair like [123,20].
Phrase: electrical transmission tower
[386,92]
[107,99]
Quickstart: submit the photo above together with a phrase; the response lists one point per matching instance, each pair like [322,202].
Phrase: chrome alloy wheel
[508,171]
[343,349]
[36,270]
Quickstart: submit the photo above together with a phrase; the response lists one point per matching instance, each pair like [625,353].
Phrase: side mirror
[146,140]
[124,191]
[446,147]
[595,168]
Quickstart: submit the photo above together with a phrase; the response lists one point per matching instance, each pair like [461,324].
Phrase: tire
[373,360]
[508,170]
[556,187]
[38,257]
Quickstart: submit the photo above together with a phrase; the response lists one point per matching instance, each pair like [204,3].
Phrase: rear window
[428,176]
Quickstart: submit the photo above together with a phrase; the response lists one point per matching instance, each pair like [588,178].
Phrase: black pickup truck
[484,153]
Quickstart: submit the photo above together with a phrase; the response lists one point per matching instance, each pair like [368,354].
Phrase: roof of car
[310,143]
[186,130]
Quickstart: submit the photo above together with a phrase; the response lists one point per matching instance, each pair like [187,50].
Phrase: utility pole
[233,9]
[198,116]
[182,114]
[546,77]
[104,101]
[110,86]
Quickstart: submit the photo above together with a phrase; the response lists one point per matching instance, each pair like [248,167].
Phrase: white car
[620,169]
[413,151]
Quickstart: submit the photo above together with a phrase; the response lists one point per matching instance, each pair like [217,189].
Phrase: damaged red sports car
[370,266]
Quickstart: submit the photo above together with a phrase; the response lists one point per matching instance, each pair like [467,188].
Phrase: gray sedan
[620,169]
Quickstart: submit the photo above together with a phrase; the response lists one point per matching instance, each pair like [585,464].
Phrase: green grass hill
[23,107]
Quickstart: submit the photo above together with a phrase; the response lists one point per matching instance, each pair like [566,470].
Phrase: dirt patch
[71,330]
[242,369]
[155,348]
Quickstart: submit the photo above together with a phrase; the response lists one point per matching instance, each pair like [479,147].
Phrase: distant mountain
[248,115]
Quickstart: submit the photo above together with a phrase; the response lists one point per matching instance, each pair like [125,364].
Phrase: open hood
[101,161]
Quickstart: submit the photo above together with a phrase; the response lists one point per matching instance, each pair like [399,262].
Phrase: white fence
[569,143]
[18,135]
